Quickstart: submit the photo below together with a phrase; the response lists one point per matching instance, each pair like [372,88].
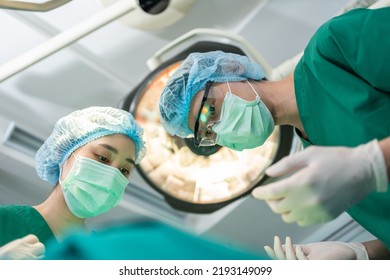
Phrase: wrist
[385,148]
[377,250]
[359,249]
[376,159]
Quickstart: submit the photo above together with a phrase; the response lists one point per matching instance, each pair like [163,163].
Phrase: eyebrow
[115,151]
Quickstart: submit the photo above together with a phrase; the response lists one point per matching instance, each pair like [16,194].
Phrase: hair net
[191,77]
[79,128]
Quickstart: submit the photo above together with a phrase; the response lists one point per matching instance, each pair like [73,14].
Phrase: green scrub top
[17,221]
[342,87]
[144,241]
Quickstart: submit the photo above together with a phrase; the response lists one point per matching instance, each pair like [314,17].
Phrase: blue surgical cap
[79,128]
[191,77]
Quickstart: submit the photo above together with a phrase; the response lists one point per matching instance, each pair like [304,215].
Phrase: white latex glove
[324,182]
[328,250]
[26,248]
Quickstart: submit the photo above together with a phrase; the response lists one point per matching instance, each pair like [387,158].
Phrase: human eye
[202,131]
[103,159]
[209,130]
[125,171]
[214,113]
[212,109]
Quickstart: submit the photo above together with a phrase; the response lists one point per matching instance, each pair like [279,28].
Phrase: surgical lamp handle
[66,38]
[157,60]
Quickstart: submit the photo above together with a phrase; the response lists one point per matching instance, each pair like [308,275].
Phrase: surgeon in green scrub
[88,159]
[338,100]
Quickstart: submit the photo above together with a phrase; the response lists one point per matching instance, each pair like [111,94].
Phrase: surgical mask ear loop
[230,91]
[62,167]
[257,95]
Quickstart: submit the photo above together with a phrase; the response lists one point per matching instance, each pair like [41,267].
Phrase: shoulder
[338,27]
[6,209]
[11,210]
[342,38]
[354,25]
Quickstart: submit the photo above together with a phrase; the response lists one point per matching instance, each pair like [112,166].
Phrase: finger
[38,249]
[288,165]
[24,256]
[277,206]
[279,189]
[299,253]
[30,239]
[289,249]
[306,223]
[272,191]
[270,252]
[292,207]
[313,217]
[278,249]
[290,217]
[40,257]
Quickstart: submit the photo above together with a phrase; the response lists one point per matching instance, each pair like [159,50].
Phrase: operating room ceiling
[103,67]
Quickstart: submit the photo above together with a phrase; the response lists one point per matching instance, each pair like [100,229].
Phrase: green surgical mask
[92,188]
[243,124]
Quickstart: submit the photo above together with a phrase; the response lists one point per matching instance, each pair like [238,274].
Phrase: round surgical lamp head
[154,14]
[196,179]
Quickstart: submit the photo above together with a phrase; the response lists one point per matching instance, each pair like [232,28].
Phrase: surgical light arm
[34,7]
[66,38]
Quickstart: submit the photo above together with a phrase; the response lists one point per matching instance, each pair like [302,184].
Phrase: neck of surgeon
[57,215]
[279,97]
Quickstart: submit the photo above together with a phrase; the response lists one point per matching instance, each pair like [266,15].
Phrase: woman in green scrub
[338,96]
[83,145]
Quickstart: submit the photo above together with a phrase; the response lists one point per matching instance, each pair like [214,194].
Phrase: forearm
[385,147]
[376,250]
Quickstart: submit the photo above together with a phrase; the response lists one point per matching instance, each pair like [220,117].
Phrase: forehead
[122,143]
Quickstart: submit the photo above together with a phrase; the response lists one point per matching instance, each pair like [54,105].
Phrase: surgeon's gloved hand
[323,182]
[328,250]
[26,248]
